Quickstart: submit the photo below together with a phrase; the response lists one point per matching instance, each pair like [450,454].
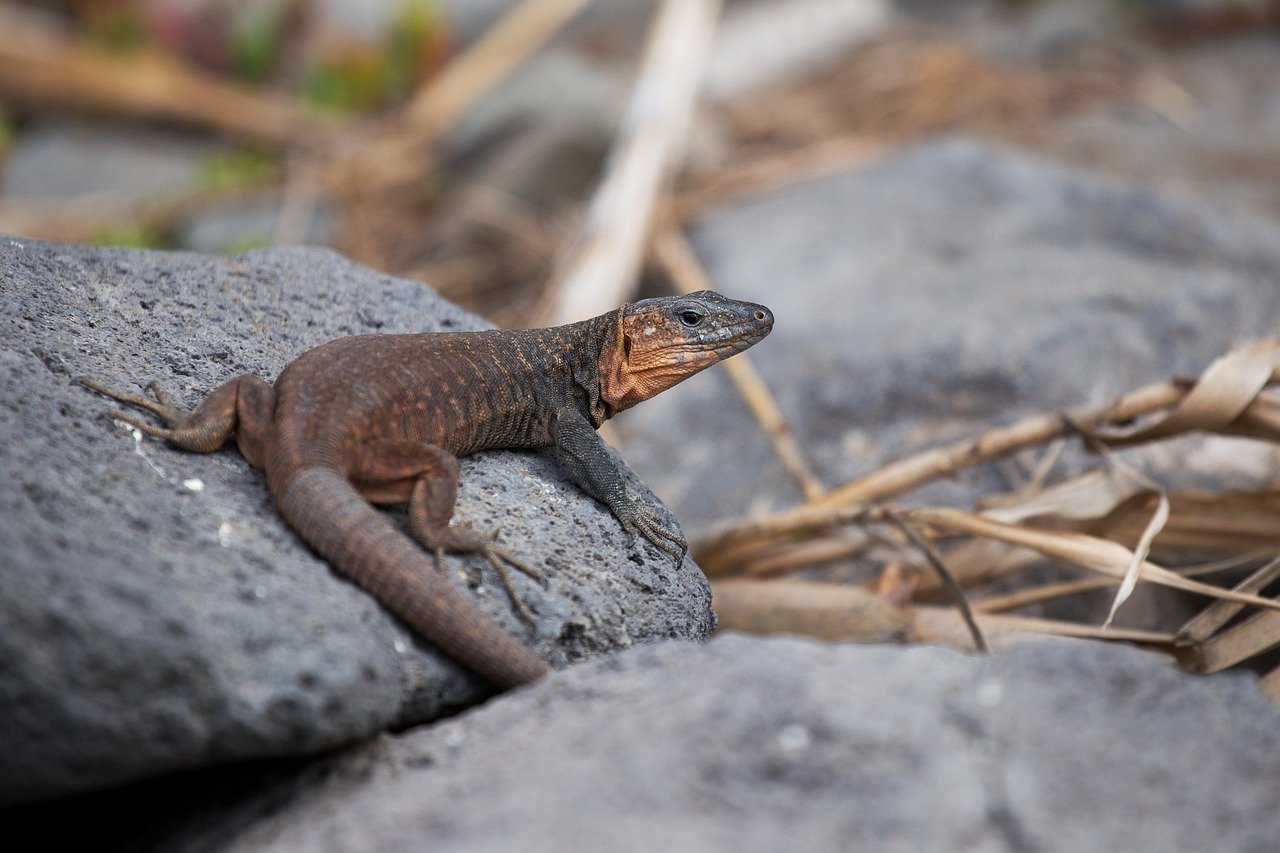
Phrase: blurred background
[225,125]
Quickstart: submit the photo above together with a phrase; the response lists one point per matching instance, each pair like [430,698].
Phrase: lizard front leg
[393,471]
[582,454]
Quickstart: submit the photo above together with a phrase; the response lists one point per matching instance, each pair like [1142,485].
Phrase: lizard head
[660,342]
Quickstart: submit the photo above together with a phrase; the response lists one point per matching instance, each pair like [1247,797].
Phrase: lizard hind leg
[441,537]
[392,471]
[240,404]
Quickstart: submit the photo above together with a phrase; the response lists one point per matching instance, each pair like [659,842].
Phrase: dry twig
[837,612]
[949,581]
[672,250]
[773,171]
[41,65]
[1109,521]
[736,543]
[601,268]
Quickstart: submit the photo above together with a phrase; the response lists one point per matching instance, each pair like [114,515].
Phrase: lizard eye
[690,318]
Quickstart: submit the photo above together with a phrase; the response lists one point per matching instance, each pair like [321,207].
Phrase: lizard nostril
[760,315]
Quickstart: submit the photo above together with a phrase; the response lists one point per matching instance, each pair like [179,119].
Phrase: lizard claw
[647,523]
[465,539]
[162,407]
[499,558]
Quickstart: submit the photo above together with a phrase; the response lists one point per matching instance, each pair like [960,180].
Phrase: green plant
[130,236]
[256,45]
[225,171]
[360,77]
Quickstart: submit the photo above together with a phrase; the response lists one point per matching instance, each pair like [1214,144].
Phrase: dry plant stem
[438,105]
[975,562]
[1048,592]
[367,168]
[601,269]
[914,471]
[1208,621]
[938,625]
[1130,580]
[1227,388]
[1100,555]
[1039,594]
[935,559]
[735,552]
[836,612]
[42,66]
[775,171]
[1257,634]
[1202,651]
[1043,468]
[672,250]
[1270,685]
[1238,523]
[822,610]
[789,556]
[1241,524]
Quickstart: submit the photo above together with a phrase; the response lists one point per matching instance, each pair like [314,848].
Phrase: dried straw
[601,268]
[41,65]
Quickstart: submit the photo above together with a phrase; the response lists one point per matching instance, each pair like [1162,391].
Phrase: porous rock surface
[157,614]
[749,744]
[945,290]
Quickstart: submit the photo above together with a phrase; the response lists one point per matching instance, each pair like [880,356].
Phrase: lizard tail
[361,544]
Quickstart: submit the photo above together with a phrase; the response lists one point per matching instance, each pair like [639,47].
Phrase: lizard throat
[628,377]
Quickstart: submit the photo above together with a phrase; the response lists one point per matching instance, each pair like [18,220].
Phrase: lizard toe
[661,536]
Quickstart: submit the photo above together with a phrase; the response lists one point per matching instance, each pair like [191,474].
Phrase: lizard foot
[162,407]
[645,521]
[464,539]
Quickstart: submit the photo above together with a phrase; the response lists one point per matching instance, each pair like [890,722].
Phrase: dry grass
[41,66]
[1108,521]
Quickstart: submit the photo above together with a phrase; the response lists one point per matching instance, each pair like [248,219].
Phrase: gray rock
[71,158]
[367,19]
[760,744]
[768,43]
[472,18]
[555,88]
[150,626]
[236,227]
[949,289]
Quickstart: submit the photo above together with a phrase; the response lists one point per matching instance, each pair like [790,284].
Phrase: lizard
[381,419]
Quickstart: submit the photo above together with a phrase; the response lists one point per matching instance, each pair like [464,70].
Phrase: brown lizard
[383,418]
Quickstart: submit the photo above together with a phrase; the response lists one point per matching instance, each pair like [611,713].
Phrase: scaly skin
[383,418]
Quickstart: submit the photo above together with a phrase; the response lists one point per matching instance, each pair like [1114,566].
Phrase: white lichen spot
[137,448]
[224,534]
[455,739]
[259,592]
[400,647]
[990,693]
[793,738]
[194,484]
[650,331]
